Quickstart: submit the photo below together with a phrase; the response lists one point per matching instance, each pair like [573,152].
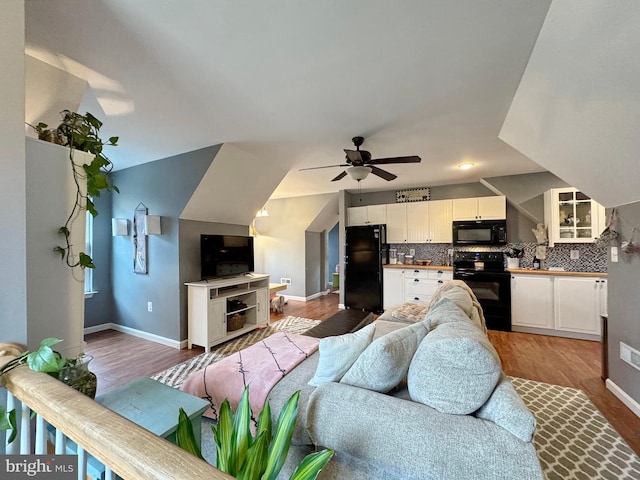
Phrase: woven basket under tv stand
[207,307]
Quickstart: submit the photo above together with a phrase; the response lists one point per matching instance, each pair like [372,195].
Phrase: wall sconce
[151,225]
[119,227]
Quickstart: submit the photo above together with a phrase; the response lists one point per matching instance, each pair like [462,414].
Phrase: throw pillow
[507,409]
[455,369]
[338,353]
[409,313]
[386,361]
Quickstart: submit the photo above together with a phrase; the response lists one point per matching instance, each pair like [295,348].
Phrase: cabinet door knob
[416,280]
[440,281]
[416,298]
[417,271]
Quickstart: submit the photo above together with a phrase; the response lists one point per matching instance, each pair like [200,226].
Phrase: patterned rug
[175,376]
[573,439]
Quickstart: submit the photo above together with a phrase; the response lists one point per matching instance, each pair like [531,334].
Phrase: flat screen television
[225,255]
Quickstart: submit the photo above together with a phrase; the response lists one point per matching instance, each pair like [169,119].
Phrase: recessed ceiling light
[466,166]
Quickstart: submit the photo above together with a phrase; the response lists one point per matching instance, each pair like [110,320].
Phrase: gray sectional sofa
[423,400]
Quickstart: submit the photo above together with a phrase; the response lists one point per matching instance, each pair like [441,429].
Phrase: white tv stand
[207,307]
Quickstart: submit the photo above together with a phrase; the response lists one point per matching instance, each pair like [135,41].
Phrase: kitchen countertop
[564,273]
[419,267]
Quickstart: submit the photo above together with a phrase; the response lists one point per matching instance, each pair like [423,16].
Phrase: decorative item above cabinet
[571,216]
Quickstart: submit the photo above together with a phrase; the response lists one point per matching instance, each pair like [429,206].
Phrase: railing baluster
[12,448]
[108,474]
[25,429]
[41,435]
[61,443]
[82,463]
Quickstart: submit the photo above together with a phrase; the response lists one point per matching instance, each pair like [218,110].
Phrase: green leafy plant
[81,132]
[44,359]
[249,457]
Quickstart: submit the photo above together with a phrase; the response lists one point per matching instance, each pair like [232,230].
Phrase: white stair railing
[123,447]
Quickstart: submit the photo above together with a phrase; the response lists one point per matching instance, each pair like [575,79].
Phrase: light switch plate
[575,254]
[614,254]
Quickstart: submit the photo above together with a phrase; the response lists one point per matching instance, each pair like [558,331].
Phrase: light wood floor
[120,358]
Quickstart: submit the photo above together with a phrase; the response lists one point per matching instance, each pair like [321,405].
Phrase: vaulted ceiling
[291,82]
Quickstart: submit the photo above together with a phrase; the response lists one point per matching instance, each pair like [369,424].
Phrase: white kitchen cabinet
[480,208]
[572,217]
[532,301]
[367,215]
[396,223]
[420,285]
[393,287]
[419,222]
[577,304]
[207,308]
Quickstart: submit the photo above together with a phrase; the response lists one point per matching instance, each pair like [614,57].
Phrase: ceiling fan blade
[340,176]
[382,173]
[326,166]
[386,161]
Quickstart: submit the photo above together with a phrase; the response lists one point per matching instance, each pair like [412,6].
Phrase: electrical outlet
[614,254]
[630,355]
[412,252]
[574,254]
[285,281]
[149,306]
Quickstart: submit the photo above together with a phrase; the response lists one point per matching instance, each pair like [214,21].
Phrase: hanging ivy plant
[81,132]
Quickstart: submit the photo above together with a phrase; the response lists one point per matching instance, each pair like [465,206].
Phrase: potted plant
[80,132]
[249,457]
[513,256]
[71,371]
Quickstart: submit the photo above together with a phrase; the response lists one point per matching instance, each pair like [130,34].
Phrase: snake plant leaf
[264,421]
[185,437]
[222,436]
[254,463]
[310,467]
[241,438]
[279,447]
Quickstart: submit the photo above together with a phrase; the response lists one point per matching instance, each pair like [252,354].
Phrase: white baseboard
[623,397]
[137,333]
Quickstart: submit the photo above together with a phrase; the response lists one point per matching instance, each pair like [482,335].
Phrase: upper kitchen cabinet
[367,215]
[419,222]
[480,208]
[571,216]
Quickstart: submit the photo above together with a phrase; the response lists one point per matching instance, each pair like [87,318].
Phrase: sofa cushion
[459,293]
[446,311]
[385,362]
[455,368]
[507,409]
[338,353]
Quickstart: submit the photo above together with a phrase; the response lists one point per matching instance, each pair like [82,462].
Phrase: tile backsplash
[592,256]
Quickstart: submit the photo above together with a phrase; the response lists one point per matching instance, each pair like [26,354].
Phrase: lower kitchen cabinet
[392,287]
[532,301]
[558,305]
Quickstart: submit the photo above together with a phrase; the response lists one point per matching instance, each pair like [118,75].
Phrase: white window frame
[88,272]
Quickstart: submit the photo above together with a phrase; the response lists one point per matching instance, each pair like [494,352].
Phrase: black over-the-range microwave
[480,232]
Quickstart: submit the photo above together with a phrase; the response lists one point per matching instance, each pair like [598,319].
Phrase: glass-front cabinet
[572,217]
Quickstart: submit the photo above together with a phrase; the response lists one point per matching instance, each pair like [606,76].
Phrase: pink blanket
[260,366]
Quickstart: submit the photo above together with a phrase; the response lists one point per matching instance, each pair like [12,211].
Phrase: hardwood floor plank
[120,358]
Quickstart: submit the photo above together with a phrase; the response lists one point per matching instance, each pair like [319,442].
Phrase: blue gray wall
[164,186]
[333,249]
[624,305]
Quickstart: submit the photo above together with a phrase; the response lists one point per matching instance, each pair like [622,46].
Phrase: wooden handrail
[128,449]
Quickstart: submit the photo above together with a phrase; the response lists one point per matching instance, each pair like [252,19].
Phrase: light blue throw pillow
[386,361]
[338,353]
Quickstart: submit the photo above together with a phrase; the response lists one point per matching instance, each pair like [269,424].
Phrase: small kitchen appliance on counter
[485,274]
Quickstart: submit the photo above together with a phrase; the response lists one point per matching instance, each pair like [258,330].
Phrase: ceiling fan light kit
[361,164]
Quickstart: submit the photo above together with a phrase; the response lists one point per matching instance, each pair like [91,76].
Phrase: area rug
[573,439]
[175,376]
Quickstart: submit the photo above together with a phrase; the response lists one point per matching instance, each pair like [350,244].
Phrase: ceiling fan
[360,164]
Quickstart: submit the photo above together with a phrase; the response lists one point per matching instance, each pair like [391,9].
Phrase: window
[88,272]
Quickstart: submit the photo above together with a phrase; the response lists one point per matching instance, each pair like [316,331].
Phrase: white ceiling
[293,81]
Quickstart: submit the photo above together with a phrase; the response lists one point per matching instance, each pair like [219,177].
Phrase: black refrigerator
[366,251]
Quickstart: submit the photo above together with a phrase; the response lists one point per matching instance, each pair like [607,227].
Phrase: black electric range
[485,274]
